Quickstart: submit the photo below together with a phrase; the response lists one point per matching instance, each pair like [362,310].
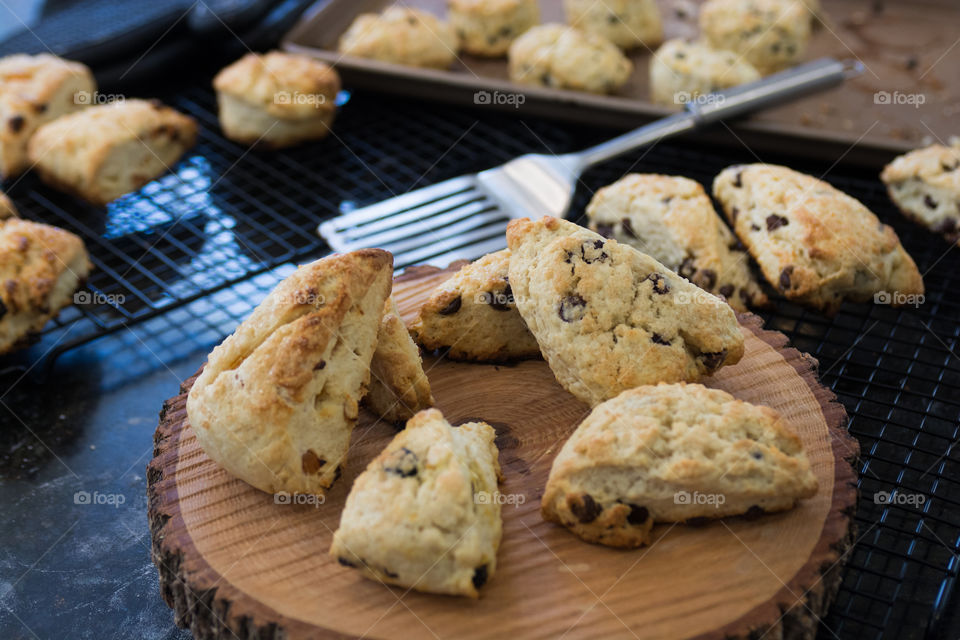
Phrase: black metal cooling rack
[181,262]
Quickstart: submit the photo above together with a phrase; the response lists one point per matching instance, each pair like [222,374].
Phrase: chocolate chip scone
[561,57]
[671,219]
[398,386]
[925,185]
[625,23]
[422,515]
[473,316]
[487,27]
[770,34]
[681,70]
[610,318]
[7,210]
[401,36]
[278,399]
[814,243]
[40,269]
[673,453]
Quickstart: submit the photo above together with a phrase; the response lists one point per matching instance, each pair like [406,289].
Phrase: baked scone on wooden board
[815,244]
[106,151]
[673,453]
[40,269]
[33,91]
[422,514]
[401,35]
[473,316]
[279,99]
[278,399]
[671,219]
[610,318]
[625,23]
[487,27]
[925,185]
[7,210]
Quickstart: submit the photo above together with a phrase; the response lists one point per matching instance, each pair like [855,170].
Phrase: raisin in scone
[103,152]
[681,70]
[770,34]
[277,400]
[814,243]
[610,318]
[399,388]
[40,269]
[401,36]
[473,316]
[487,27]
[925,185]
[625,23]
[561,57]
[279,99]
[422,515]
[671,219]
[7,210]
[33,91]
[673,453]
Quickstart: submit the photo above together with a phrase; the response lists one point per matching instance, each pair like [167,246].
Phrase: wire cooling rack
[179,263]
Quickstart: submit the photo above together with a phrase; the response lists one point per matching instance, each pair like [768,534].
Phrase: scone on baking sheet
[473,316]
[673,453]
[278,98]
[399,388]
[105,151]
[625,23]
[33,91]
[681,70]
[487,27]
[815,244]
[40,269]
[7,210]
[770,34]
[402,36]
[609,317]
[277,400]
[423,514]
[671,219]
[562,57]
[925,185]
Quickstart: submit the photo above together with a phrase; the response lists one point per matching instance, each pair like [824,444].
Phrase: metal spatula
[465,217]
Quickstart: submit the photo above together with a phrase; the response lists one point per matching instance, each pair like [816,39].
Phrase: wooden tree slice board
[233,563]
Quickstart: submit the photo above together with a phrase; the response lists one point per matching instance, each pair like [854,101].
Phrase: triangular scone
[277,400]
[473,315]
[610,318]
[398,386]
[673,453]
[424,513]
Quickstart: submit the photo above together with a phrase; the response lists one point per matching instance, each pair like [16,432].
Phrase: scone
[7,210]
[279,99]
[487,27]
[33,91]
[770,34]
[925,185]
[610,318]
[673,453]
[561,57]
[40,268]
[473,316]
[401,36]
[105,151]
[681,70]
[422,514]
[625,23]
[671,219]
[278,399]
[399,388]
[814,243]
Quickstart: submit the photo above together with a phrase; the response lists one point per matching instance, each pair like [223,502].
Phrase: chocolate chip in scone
[658,339]
[606,230]
[40,107]
[346,562]
[785,277]
[3,309]
[16,123]
[592,251]
[390,574]
[754,512]
[713,360]
[950,166]
[774,222]
[320,365]
[687,268]
[638,515]
[627,227]
[337,473]
[738,182]
[746,297]
[930,202]
[585,508]
[734,212]
[757,455]
[706,278]
[480,575]
[737,245]
[452,307]
[572,308]
[726,290]
[501,300]
[402,462]
[754,227]
[311,463]
[948,225]
[660,284]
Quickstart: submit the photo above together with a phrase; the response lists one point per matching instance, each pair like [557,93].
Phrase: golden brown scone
[105,151]
[625,23]
[402,36]
[33,91]
[7,210]
[40,268]
[772,35]
[925,185]
[279,98]
[277,401]
[681,70]
[399,388]
[487,27]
